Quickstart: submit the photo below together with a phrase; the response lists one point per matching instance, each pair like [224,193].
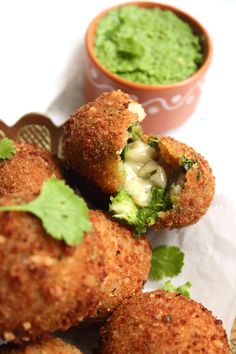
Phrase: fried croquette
[95,135]
[48,346]
[191,192]
[161,322]
[154,180]
[28,168]
[127,261]
[45,285]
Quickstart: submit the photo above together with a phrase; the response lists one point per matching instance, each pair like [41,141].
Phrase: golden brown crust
[199,185]
[127,264]
[162,323]
[45,285]
[29,167]
[94,136]
[49,346]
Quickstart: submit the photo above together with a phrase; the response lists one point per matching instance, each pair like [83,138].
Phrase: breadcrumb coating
[28,168]
[95,135]
[48,346]
[45,285]
[127,261]
[162,323]
[198,188]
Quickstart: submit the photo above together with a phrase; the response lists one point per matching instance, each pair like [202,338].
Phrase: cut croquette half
[154,181]
[161,322]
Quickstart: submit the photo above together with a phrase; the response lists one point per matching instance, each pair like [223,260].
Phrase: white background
[41,63]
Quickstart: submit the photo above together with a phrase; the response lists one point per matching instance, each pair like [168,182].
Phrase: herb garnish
[7,149]
[167,261]
[182,289]
[64,214]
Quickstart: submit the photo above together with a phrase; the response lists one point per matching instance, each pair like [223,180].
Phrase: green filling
[123,207]
[153,141]
[149,46]
[187,163]
[135,132]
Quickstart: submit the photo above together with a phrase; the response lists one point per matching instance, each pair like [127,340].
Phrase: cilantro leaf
[169,286]
[186,163]
[7,148]
[64,214]
[167,261]
[182,289]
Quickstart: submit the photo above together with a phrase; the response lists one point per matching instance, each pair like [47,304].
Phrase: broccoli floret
[159,200]
[123,207]
[147,216]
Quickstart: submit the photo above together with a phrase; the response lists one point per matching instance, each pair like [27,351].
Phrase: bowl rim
[89,44]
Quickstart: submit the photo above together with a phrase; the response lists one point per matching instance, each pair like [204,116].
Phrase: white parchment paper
[210,259]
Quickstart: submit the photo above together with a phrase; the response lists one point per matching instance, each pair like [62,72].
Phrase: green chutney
[148,46]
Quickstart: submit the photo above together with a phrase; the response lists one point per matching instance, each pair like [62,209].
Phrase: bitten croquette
[193,189]
[47,346]
[94,136]
[127,261]
[45,285]
[104,142]
[161,322]
[27,169]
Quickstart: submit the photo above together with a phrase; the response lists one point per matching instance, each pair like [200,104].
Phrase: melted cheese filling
[142,172]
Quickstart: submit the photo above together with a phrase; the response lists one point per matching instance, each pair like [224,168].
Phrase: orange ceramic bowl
[167,106]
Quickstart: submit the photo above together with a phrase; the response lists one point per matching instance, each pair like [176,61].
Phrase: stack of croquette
[47,285]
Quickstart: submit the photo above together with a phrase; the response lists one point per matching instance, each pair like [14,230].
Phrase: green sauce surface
[148,46]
